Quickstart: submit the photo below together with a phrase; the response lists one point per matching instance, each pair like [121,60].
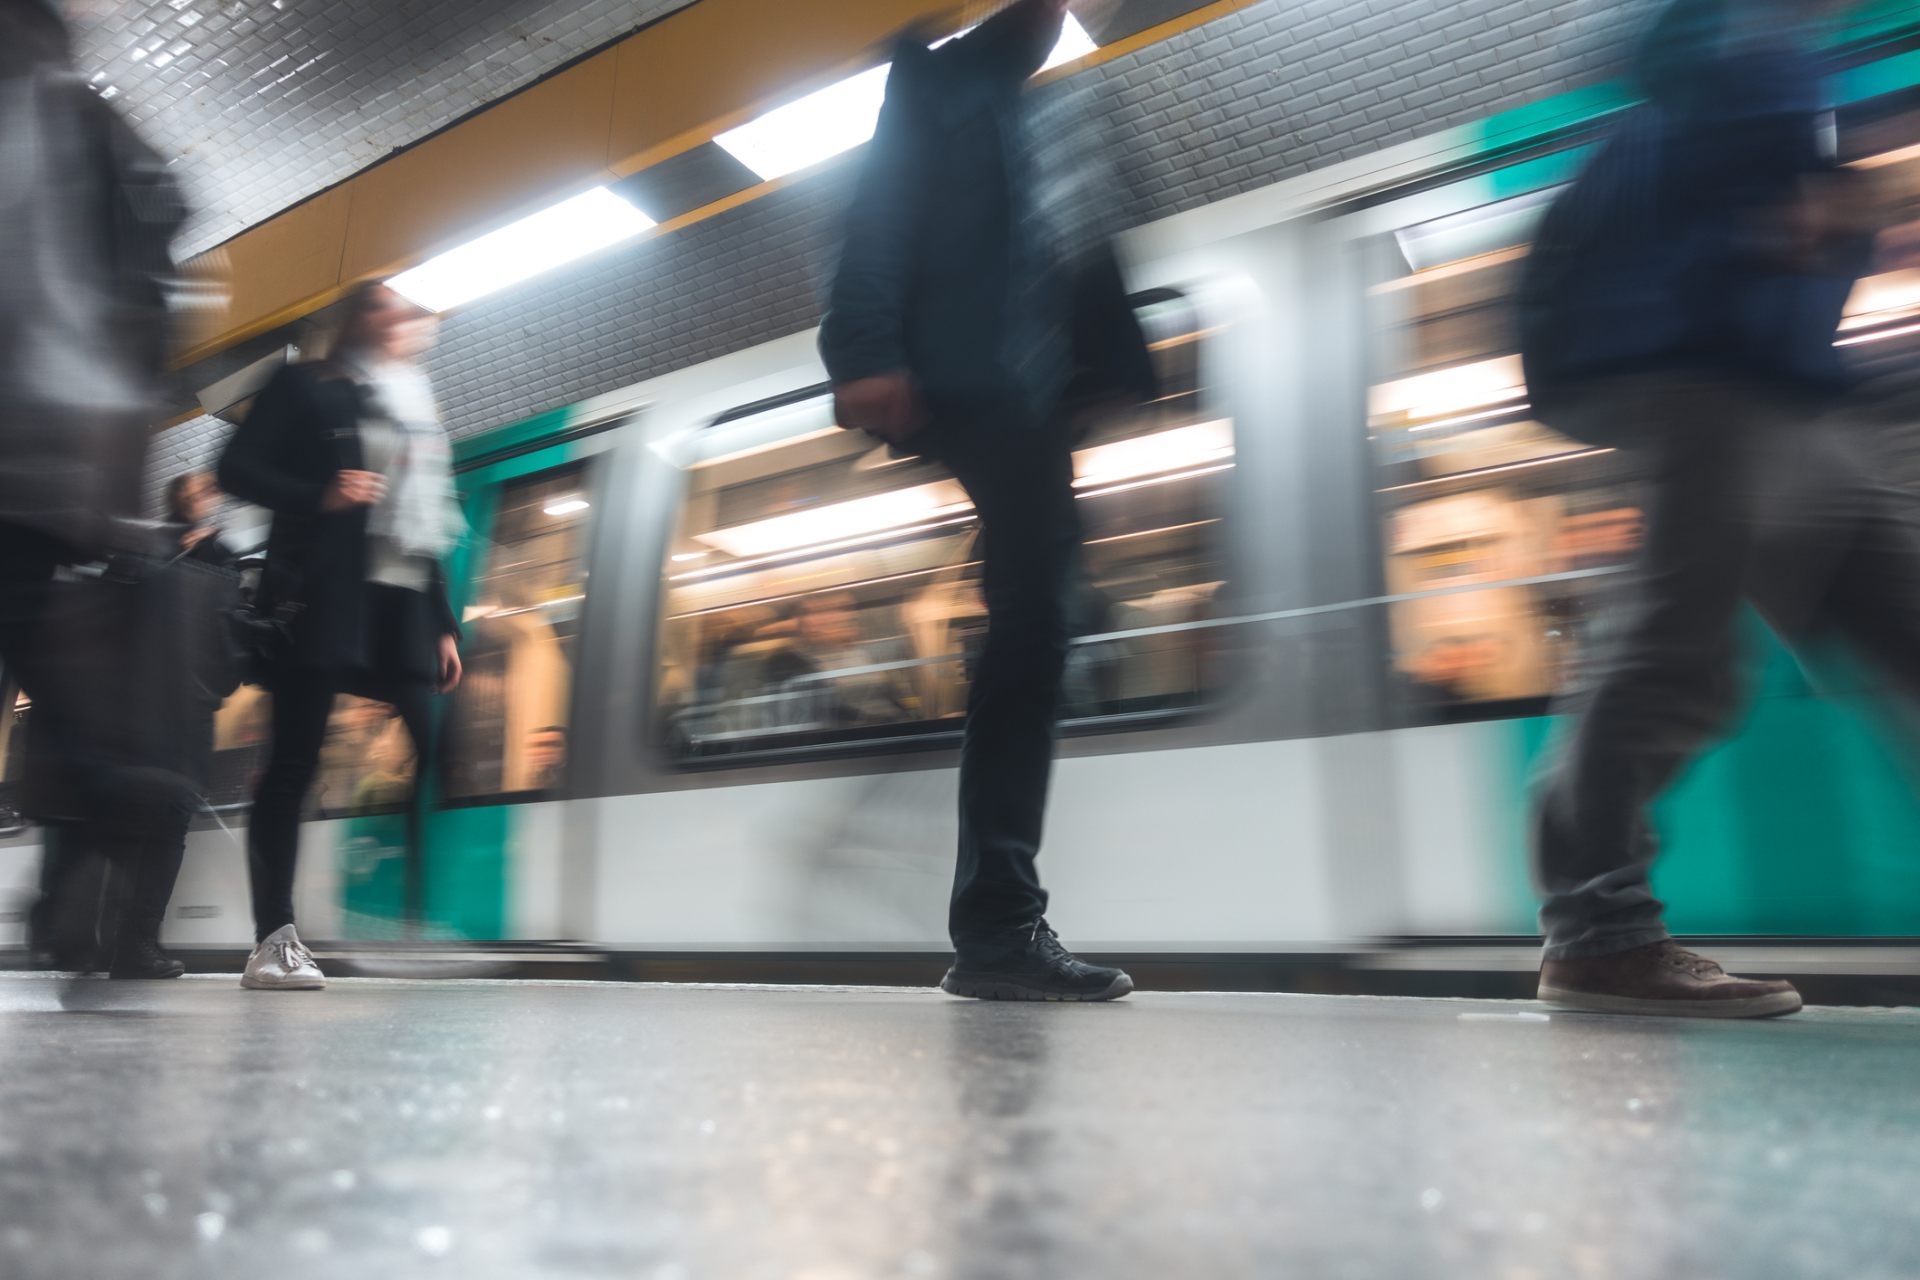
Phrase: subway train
[717,649]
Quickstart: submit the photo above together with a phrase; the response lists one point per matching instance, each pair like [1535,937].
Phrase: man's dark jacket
[960,263]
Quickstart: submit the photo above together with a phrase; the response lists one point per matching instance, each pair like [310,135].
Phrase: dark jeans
[140,868]
[302,701]
[1019,474]
[1752,500]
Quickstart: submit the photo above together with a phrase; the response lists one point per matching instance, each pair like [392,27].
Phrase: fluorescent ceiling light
[840,521]
[553,237]
[566,506]
[817,127]
[841,116]
[1172,450]
[1074,43]
[1177,449]
[1876,299]
[1445,392]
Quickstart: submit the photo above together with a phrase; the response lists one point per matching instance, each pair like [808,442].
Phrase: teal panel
[1804,820]
[373,876]
[466,878]
[512,435]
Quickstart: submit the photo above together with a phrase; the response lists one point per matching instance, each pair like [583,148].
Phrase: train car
[1334,579]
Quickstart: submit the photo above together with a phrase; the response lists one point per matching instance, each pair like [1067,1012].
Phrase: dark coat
[1670,250]
[954,266]
[87,214]
[302,429]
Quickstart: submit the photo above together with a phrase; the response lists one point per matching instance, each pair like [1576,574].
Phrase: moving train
[718,649]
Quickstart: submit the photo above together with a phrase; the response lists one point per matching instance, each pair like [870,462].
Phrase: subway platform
[515,1129]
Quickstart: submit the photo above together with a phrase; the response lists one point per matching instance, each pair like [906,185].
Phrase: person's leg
[60,925]
[156,855]
[1665,687]
[1858,531]
[1019,475]
[1668,684]
[413,703]
[302,700]
[1021,484]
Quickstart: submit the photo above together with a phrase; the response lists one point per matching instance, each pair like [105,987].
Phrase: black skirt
[397,645]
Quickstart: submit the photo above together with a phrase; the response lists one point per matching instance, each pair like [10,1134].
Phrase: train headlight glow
[840,117]
[572,229]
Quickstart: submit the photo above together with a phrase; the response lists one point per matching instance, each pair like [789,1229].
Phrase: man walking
[1681,302]
[963,326]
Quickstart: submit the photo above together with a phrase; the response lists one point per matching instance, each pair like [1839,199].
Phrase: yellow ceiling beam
[659,92]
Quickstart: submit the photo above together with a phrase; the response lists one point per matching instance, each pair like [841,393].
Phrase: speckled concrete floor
[482,1129]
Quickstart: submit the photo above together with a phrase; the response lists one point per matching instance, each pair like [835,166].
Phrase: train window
[509,723]
[820,591]
[1473,492]
[241,730]
[1880,333]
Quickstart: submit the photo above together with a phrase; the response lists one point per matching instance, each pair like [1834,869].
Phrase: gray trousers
[1752,499]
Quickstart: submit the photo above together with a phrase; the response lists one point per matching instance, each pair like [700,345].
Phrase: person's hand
[885,406]
[194,537]
[349,489]
[450,667]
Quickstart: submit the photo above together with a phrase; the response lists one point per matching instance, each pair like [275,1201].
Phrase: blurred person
[828,633]
[386,774]
[193,498]
[1681,302]
[547,757]
[88,221]
[158,853]
[351,458]
[977,305]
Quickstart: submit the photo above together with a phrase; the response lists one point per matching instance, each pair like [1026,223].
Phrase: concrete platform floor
[481,1129]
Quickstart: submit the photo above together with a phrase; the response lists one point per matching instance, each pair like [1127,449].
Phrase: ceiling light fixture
[841,116]
[570,230]
[840,520]
[1175,449]
[569,506]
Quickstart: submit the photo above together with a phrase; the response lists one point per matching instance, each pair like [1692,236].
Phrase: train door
[488,864]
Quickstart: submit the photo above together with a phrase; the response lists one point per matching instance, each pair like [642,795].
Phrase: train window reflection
[820,590]
[1493,524]
[1475,494]
[508,729]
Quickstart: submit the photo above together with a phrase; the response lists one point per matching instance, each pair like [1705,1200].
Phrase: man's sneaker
[1030,965]
[1662,978]
[143,958]
[282,963]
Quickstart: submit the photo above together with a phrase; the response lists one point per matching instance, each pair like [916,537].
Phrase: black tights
[302,701]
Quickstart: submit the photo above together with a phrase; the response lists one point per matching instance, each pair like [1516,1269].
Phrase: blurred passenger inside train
[978,309]
[193,499]
[1681,303]
[350,456]
[88,219]
[547,757]
[837,688]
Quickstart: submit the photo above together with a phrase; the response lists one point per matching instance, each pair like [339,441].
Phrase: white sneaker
[282,963]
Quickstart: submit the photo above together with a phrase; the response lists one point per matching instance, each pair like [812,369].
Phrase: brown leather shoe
[1662,978]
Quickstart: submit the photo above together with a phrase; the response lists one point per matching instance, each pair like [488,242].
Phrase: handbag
[262,632]
[133,657]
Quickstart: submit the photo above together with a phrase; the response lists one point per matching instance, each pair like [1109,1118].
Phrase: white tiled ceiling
[261,103]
